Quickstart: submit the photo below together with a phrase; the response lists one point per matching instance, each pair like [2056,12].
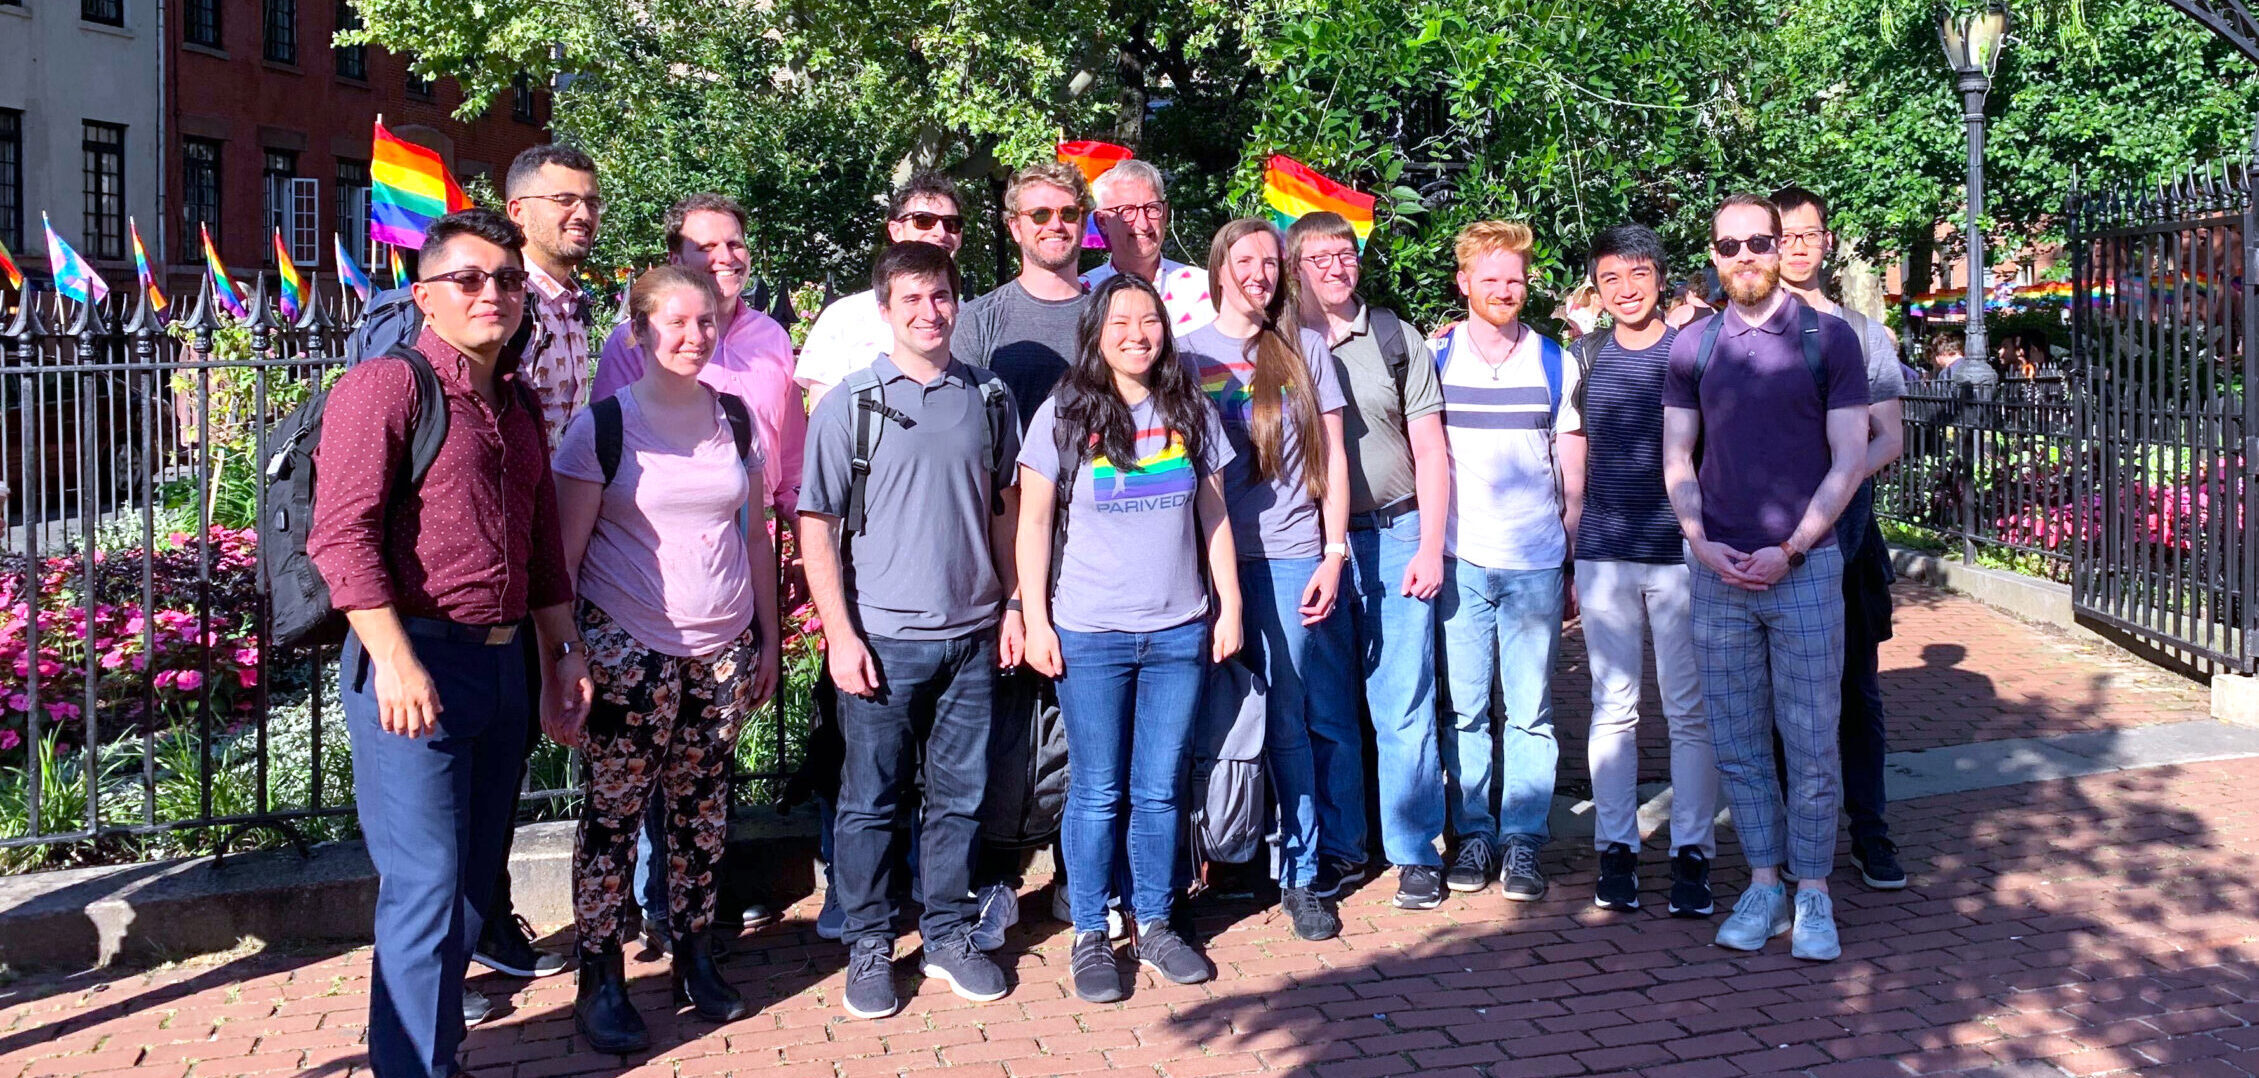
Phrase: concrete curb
[2034,600]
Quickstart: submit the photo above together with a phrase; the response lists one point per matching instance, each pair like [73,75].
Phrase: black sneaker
[870,979]
[1419,887]
[1525,882]
[476,1008]
[506,946]
[1475,866]
[1690,884]
[1311,918]
[1159,947]
[1336,873]
[970,974]
[1618,888]
[1877,862]
[1091,966]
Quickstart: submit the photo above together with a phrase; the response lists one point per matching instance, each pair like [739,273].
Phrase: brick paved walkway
[2082,926]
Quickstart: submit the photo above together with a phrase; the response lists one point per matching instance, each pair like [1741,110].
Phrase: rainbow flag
[1291,189]
[141,271]
[349,272]
[409,189]
[223,287]
[1093,158]
[73,277]
[293,286]
[9,268]
[399,270]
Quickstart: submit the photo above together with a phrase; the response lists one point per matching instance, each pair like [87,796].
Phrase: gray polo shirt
[1379,413]
[923,568]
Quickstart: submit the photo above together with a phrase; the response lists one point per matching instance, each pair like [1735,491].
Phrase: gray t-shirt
[923,568]
[1027,341]
[1131,563]
[1375,422]
[1885,381]
[1275,519]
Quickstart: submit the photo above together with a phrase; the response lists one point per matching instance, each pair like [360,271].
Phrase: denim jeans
[1310,713]
[1393,636]
[1128,701]
[1502,624]
[935,701]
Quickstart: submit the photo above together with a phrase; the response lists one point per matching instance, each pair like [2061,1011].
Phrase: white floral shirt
[1184,293]
[556,365]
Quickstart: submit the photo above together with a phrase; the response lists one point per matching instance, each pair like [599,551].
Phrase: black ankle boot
[699,983]
[602,1012]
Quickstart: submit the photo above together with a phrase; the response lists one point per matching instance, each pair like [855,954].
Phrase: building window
[104,164]
[202,24]
[12,178]
[352,60]
[418,86]
[106,12]
[281,168]
[353,208]
[282,31]
[521,99]
[200,182]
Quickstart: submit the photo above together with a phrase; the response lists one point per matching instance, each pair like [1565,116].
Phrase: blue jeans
[434,811]
[1394,637]
[1128,701]
[1311,715]
[1503,624]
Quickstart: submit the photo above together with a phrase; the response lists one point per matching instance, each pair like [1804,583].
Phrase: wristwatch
[1337,548]
[1012,606]
[569,647]
[1795,556]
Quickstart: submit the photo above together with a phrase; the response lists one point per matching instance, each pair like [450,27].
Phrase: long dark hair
[1090,408]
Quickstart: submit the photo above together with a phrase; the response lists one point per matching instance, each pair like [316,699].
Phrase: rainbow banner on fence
[73,277]
[141,271]
[349,272]
[293,296]
[399,269]
[224,291]
[1291,189]
[1093,158]
[409,189]
[9,269]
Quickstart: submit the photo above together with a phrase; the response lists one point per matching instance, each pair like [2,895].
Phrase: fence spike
[262,309]
[144,318]
[86,320]
[310,308]
[27,323]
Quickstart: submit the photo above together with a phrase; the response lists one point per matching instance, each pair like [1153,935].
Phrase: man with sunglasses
[437,581]
[852,332]
[1133,216]
[1776,396]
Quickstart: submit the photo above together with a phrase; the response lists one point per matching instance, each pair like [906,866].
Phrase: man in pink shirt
[752,354]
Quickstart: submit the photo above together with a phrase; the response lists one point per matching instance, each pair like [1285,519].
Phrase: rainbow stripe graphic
[1166,473]
[223,287]
[1291,189]
[1227,383]
[141,271]
[9,269]
[409,189]
[399,270]
[293,287]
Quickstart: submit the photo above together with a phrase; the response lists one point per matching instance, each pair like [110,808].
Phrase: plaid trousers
[1774,659]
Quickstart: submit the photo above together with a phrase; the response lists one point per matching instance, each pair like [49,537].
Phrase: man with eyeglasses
[1806,244]
[437,582]
[1133,216]
[553,199]
[852,332]
[1775,395]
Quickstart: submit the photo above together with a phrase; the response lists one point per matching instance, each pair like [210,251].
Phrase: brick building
[271,127]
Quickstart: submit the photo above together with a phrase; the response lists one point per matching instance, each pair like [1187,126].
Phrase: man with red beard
[1774,396]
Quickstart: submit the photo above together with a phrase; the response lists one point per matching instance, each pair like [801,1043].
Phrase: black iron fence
[141,712]
[1987,474]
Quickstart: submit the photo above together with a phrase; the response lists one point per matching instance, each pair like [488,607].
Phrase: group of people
[1171,493]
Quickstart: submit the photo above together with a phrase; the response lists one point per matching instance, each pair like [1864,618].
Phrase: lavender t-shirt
[667,559]
[1275,519]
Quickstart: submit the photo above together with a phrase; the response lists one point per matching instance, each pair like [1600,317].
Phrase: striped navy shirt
[1627,511]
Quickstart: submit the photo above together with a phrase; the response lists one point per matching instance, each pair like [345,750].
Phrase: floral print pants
[665,722]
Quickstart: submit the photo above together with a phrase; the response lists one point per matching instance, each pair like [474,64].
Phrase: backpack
[1229,791]
[1388,332]
[1808,331]
[611,434]
[867,403]
[1548,357]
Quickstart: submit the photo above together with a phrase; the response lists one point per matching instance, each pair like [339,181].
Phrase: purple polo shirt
[1764,435]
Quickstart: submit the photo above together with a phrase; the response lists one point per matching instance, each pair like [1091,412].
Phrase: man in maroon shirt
[437,583]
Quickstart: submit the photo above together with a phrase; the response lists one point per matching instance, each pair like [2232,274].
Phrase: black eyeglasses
[1761,244]
[473,281]
[1041,215]
[949,222]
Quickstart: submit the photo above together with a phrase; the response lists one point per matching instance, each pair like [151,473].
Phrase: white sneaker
[1814,939]
[999,910]
[1759,915]
[1117,926]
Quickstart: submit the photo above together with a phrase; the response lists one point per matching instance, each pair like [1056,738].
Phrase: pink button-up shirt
[753,361]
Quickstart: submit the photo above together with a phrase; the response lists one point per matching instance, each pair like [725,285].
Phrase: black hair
[1795,197]
[924,183]
[1630,243]
[1090,407]
[1747,199]
[486,224]
[528,164]
[915,258]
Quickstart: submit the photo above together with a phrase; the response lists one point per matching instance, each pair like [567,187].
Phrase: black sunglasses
[1760,244]
[949,222]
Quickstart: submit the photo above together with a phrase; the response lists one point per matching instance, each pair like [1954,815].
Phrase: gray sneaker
[1168,954]
[1759,915]
[1814,939]
[870,979]
[1524,881]
[999,910]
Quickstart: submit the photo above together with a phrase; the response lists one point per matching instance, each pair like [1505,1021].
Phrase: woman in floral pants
[655,486]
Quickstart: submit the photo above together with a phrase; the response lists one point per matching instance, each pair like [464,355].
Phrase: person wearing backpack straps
[437,584]
[1504,390]
[1776,396]
[1125,622]
[907,510]
[1399,488]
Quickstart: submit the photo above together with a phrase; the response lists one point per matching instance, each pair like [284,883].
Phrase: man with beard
[1776,395]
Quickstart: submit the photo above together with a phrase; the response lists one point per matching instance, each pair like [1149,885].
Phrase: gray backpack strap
[996,412]
[1588,350]
[866,407]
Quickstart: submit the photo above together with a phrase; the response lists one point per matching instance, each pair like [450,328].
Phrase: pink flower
[9,740]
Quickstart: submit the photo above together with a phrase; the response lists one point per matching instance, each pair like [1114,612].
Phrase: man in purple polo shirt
[1774,396]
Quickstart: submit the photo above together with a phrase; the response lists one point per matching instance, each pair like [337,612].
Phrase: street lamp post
[1972,42]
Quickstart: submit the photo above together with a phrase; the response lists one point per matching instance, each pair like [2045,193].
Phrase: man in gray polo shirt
[913,619]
